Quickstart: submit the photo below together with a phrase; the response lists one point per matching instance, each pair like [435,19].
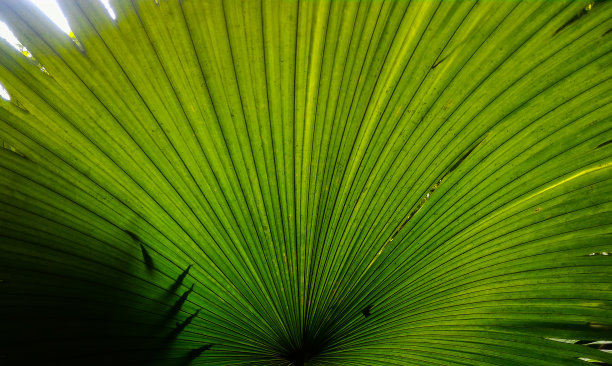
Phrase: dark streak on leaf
[582,13]
[456,165]
[604,144]
[15,152]
[19,105]
[132,235]
[413,212]
[179,303]
[147,258]
[366,311]
[179,280]
[437,63]
[194,353]
[433,188]
[181,326]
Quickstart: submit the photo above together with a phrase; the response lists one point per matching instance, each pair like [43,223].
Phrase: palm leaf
[307,182]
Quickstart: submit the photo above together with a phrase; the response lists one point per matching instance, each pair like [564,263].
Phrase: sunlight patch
[9,36]
[108,7]
[4,94]
[53,11]
[6,34]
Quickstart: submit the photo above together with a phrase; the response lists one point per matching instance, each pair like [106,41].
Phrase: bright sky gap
[53,11]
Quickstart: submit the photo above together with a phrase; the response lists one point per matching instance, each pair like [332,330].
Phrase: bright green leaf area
[283,182]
